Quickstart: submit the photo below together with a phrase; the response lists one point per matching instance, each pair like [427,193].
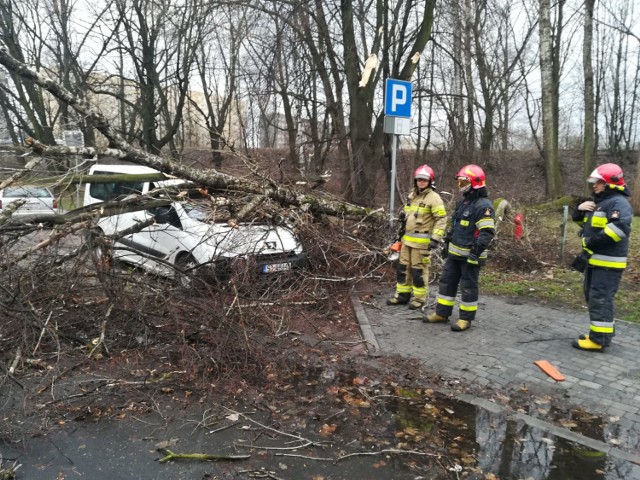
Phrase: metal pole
[392,190]
[565,218]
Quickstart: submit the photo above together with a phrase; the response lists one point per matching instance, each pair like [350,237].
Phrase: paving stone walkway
[502,346]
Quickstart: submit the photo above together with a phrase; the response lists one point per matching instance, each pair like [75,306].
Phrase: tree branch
[121,149]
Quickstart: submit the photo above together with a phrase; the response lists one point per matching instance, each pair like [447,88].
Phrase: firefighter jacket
[605,231]
[425,219]
[472,226]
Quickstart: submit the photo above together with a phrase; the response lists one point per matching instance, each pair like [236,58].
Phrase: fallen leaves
[327,430]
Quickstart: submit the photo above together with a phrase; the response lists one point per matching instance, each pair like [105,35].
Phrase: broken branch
[169,455]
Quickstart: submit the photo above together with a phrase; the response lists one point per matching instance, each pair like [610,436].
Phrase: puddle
[361,430]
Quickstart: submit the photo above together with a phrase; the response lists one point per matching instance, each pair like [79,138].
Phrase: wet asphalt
[499,352]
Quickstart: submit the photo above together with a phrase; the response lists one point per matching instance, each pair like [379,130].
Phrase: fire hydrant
[518,220]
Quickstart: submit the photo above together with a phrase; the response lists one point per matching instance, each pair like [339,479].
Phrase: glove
[444,252]
[472,259]
[580,263]
[475,250]
[433,244]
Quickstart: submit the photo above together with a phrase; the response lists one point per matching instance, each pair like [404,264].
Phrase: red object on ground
[550,370]
[519,222]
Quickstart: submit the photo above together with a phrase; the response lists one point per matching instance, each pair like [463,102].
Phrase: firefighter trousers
[600,287]
[412,276]
[457,271]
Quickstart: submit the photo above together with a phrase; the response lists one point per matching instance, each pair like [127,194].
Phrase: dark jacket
[605,231]
[472,225]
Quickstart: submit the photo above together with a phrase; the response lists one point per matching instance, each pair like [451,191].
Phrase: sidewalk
[499,351]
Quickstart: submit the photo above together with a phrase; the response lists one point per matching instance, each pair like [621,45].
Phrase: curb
[365,327]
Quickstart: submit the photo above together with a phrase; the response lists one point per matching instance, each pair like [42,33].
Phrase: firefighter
[606,226]
[424,219]
[472,229]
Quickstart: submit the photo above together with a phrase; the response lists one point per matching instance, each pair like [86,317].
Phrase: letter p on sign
[397,98]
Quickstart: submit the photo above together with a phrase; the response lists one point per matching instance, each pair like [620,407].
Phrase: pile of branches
[59,300]
[62,301]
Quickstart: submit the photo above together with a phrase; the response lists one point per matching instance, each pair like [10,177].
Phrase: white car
[184,234]
[37,200]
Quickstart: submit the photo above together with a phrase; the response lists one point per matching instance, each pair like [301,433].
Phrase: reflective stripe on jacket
[473,225]
[606,230]
[426,219]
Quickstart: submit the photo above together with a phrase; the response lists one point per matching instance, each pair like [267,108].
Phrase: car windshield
[18,192]
[198,211]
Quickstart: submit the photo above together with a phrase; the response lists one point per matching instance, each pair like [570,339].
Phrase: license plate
[276,267]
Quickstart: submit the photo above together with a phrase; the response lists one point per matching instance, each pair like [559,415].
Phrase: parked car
[185,233]
[38,200]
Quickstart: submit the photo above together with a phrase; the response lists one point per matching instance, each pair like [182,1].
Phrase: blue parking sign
[397,98]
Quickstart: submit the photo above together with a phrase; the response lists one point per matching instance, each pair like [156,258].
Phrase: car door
[162,239]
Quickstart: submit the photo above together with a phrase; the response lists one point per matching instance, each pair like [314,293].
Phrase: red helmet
[474,174]
[609,173]
[425,172]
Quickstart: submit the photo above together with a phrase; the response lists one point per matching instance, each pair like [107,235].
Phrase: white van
[184,234]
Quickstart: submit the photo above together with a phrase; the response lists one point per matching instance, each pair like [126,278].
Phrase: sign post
[397,114]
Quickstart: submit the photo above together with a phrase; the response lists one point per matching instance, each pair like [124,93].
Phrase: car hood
[245,239]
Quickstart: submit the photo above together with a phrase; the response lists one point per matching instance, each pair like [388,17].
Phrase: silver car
[38,200]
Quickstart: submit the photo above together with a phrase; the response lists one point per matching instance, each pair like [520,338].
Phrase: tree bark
[549,76]
[588,161]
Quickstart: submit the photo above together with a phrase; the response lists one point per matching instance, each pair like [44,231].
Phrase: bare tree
[21,28]
[161,41]
[550,76]
[217,69]
[620,78]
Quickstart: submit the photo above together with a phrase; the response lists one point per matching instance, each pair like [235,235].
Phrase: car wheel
[99,249]
[186,270]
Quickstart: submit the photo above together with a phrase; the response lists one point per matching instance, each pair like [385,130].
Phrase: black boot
[399,299]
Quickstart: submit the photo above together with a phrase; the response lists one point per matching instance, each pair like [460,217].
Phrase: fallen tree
[216,181]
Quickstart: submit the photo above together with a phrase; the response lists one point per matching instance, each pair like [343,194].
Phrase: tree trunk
[548,69]
[588,161]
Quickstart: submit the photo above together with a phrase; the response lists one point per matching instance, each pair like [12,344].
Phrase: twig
[14,364]
[295,455]
[297,437]
[334,279]
[103,328]
[54,335]
[295,447]
[222,428]
[262,473]
[44,328]
[371,304]
[355,454]
[388,450]
[169,455]
[12,377]
[334,414]
[271,304]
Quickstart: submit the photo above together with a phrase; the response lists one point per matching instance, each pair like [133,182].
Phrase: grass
[551,281]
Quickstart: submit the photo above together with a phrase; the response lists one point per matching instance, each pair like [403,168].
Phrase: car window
[19,192]
[166,214]
[195,212]
[112,190]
